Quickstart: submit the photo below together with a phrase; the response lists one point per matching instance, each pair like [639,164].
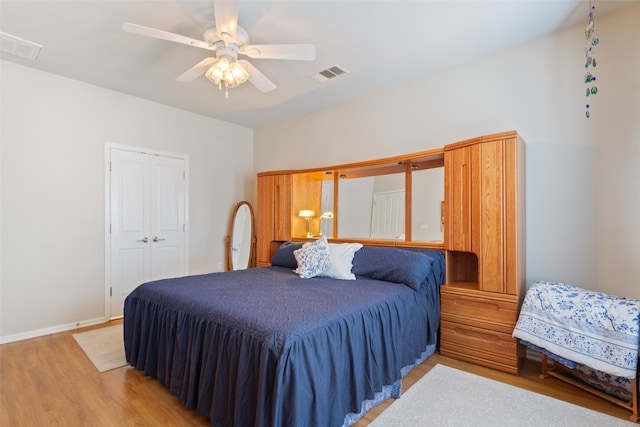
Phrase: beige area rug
[450,397]
[104,347]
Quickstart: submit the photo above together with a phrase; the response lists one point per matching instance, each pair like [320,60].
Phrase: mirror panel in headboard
[397,199]
[427,199]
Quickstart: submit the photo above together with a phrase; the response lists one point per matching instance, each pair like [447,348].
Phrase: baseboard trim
[52,330]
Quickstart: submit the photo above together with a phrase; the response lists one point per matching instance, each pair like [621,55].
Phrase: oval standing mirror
[241,239]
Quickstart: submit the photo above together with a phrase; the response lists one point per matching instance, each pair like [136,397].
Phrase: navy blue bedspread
[263,347]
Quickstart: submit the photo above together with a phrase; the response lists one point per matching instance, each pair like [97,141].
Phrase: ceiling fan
[228,40]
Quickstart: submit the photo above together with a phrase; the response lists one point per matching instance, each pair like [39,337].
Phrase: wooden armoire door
[273,214]
[489,191]
[457,182]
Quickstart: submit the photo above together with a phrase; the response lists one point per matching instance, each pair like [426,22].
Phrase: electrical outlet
[219,265]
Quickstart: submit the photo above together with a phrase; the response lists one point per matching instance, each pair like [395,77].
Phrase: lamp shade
[307,213]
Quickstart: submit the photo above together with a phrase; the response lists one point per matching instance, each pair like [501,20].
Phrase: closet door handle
[155,239]
[145,240]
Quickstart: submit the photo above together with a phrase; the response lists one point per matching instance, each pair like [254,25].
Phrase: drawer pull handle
[480,335]
[477,304]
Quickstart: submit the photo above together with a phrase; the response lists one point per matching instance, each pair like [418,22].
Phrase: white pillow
[341,261]
[313,258]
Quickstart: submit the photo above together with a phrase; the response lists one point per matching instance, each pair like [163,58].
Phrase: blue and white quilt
[591,328]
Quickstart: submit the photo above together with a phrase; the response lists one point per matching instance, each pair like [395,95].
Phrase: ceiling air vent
[328,74]
[19,47]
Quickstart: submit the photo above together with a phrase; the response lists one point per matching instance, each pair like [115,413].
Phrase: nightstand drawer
[505,363]
[473,338]
[476,310]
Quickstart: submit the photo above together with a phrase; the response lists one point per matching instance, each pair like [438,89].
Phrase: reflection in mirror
[374,199]
[426,199]
[372,207]
[326,207]
[241,239]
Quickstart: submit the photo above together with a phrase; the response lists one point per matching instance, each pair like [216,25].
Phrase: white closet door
[167,217]
[147,213]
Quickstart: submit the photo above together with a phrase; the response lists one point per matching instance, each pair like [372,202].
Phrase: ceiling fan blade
[196,71]
[303,52]
[165,35]
[226,14]
[258,79]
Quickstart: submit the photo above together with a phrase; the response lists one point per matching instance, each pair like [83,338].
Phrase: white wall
[583,200]
[52,155]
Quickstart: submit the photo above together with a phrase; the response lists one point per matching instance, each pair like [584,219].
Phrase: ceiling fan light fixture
[227,71]
[228,40]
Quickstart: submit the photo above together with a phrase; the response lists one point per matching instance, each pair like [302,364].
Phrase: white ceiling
[378,42]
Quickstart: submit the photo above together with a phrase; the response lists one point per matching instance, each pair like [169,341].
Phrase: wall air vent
[329,73]
[19,47]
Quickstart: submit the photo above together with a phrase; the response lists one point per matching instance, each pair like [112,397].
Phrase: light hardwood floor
[48,381]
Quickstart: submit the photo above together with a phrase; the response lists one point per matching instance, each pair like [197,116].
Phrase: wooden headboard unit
[482,215]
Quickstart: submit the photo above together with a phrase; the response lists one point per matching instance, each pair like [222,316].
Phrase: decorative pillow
[341,261]
[313,258]
[284,255]
[392,264]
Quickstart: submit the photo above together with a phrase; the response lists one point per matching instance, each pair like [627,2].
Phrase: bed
[271,347]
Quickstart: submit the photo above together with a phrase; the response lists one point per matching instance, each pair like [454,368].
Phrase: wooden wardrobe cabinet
[273,215]
[485,251]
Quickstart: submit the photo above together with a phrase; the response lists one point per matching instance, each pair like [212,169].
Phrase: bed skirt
[318,379]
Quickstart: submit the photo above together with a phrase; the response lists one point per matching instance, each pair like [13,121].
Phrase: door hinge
[109,228]
[110,292]
[184,174]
